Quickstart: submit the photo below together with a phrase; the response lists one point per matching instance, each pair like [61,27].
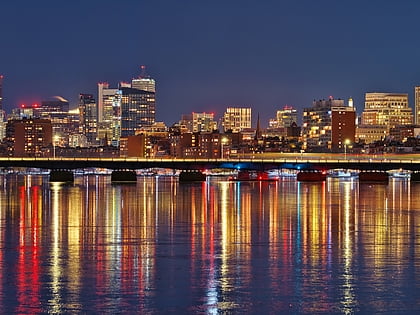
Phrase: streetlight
[223,141]
[55,139]
[346,143]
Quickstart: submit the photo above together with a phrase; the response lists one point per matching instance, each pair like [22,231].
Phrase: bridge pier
[415,176]
[192,176]
[123,177]
[374,176]
[61,176]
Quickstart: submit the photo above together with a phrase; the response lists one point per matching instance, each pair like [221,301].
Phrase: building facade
[1,92]
[29,137]
[286,117]
[144,84]
[109,114]
[417,105]
[387,109]
[343,127]
[137,110]
[236,119]
[317,124]
[88,117]
[203,122]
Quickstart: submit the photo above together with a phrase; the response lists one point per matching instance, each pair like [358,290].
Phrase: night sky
[207,55]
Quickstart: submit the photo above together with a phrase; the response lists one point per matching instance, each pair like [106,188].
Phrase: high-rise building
[389,109]
[56,109]
[109,113]
[236,119]
[343,127]
[137,110]
[88,117]
[1,92]
[203,122]
[144,82]
[417,105]
[2,112]
[286,116]
[54,104]
[328,125]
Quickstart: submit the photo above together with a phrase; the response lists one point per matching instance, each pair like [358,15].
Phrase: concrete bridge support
[192,176]
[61,176]
[123,177]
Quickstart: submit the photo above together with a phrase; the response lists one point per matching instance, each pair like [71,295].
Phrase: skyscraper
[144,82]
[417,105]
[109,113]
[137,110]
[88,117]
[1,92]
[54,104]
[56,109]
[2,113]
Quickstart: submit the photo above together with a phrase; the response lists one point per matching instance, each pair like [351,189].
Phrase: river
[215,247]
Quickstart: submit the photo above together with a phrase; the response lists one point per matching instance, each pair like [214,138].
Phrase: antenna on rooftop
[143,73]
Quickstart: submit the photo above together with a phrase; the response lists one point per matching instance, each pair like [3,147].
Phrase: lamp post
[55,139]
[222,142]
[346,143]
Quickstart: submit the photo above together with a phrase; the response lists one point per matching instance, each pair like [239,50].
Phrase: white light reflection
[56,300]
[213,282]
[349,299]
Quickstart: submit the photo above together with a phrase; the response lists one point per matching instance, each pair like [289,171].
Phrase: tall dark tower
[1,92]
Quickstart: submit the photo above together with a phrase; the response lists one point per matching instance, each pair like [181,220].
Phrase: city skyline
[209,56]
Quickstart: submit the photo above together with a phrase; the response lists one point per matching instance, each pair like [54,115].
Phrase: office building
[29,137]
[88,117]
[137,110]
[387,109]
[109,114]
[1,92]
[370,133]
[56,109]
[203,122]
[417,105]
[236,119]
[144,82]
[53,105]
[285,117]
[328,125]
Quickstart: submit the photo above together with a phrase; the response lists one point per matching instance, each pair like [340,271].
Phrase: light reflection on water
[213,247]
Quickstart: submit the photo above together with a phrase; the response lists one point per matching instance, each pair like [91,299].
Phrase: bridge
[278,161]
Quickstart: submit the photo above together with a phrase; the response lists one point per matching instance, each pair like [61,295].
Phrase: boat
[311,176]
[252,176]
[400,173]
[342,173]
[281,173]
[374,176]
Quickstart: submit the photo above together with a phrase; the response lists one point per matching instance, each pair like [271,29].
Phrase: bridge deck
[408,162]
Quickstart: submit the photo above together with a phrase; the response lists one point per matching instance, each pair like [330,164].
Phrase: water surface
[214,247]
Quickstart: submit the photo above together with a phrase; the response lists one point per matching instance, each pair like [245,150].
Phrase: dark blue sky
[207,55]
